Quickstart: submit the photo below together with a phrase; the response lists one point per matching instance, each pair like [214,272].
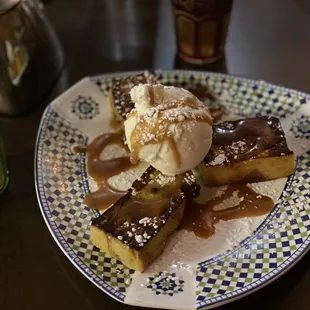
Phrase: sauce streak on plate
[237,201]
[101,170]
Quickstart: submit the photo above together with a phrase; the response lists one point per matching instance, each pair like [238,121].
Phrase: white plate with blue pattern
[243,255]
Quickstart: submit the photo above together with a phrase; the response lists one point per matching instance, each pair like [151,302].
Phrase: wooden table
[268,40]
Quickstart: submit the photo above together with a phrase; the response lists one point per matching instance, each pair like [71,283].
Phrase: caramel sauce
[115,123]
[256,135]
[159,129]
[217,113]
[175,152]
[100,170]
[103,198]
[201,218]
[152,96]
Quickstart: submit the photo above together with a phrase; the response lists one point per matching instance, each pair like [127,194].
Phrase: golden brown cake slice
[135,229]
[247,150]
[120,100]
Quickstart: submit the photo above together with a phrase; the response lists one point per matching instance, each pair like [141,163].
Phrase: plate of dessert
[176,189]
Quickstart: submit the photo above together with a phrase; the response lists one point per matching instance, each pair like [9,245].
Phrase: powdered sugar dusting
[218,160]
[230,202]
[171,105]
[238,147]
[165,180]
[175,111]
[272,189]
[185,248]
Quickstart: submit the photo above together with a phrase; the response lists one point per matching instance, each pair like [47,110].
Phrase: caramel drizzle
[101,170]
[159,129]
[217,113]
[201,218]
[160,133]
[152,96]
[103,198]
[115,123]
[258,134]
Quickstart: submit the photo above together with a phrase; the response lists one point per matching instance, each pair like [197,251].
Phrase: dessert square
[135,229]
[247,150]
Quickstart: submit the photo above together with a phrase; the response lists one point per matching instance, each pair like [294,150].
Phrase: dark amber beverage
[201,29]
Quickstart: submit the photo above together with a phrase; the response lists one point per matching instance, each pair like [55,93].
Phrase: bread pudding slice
[247,150]
[120,100]
[135,229]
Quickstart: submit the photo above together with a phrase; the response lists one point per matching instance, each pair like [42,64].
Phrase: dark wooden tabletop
[268,40]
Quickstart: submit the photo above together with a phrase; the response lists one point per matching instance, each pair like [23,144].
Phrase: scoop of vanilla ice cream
[169,128]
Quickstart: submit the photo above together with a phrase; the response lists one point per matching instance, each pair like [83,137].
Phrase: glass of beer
[201,28]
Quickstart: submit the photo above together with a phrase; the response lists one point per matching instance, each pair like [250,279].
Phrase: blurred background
[266,40]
